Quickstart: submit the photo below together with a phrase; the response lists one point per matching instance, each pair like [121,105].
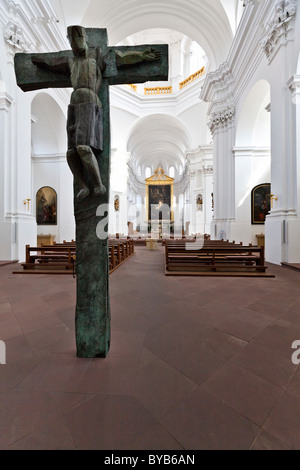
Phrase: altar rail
[192,78]
[160,90]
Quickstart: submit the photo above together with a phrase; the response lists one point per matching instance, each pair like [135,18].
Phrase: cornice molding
[19,216]
[218,84]
[251,152]
[55,158]
[5,101]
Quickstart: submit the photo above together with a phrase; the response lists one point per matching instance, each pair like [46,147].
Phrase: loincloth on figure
[85,125]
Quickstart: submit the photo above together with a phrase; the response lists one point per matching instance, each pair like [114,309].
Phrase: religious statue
[90,67]
[117,204]
[199,202]
[85,116]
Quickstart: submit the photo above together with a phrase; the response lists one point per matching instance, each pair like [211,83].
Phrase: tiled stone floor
[195,363]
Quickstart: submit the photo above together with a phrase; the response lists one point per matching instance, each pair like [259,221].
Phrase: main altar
[159,204]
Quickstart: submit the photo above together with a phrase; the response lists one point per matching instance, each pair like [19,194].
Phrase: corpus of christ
[89,68]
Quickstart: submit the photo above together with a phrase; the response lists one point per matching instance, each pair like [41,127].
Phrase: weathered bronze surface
[90,67]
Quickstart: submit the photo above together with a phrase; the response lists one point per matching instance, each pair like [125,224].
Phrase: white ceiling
[211,23]
[159,140]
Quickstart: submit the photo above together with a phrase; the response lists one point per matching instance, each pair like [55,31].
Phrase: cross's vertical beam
[92,261]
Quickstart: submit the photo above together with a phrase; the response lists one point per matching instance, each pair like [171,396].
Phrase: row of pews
[60,258]
[214,258]
[120,250]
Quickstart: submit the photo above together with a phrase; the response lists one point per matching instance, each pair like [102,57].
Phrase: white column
[118,187]
[193,215]
[283,223]
[7,228]
[207,199]
[222,128]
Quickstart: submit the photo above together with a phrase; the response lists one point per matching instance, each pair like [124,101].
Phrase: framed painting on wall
[260,203]
[46,206]
[159,195]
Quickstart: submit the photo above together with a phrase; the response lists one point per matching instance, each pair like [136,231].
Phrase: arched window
[139,170]
[172,172]
[148,172]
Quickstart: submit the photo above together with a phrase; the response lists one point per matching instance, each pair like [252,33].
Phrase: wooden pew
[61,257]
[215,258]
[50,257]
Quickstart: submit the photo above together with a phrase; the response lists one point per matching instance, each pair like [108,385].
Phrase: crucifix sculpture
[90,67]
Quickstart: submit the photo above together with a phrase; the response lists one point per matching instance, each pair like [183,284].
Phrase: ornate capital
[207,169]
[280,29]
[14,37]
[221,120]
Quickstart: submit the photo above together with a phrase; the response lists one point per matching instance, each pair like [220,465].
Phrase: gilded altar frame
[160,179]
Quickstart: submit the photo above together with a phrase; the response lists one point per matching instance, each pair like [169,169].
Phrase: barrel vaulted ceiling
[211,23]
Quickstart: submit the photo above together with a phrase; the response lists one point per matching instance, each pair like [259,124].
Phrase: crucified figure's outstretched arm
[134,57]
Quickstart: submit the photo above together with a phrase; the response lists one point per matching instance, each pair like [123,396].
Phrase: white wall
[252,158]
[50,168]
[194,118]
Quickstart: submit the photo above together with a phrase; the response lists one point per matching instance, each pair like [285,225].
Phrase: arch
[49,135]
[253,127]
[205,22]
[252,156]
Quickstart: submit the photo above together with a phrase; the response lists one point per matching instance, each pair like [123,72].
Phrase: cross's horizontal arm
[33,77]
